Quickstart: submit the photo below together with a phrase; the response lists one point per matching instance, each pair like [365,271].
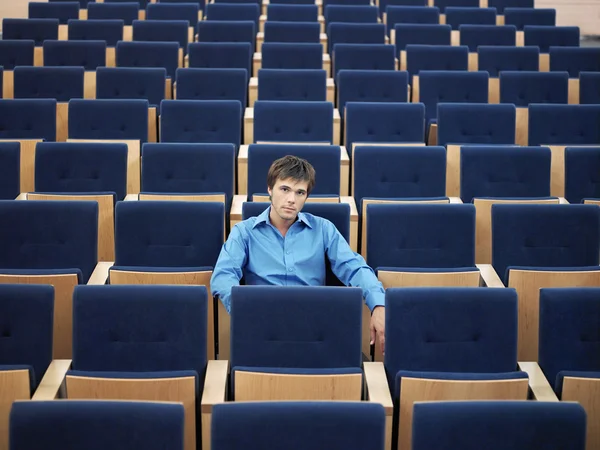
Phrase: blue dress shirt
[256,250]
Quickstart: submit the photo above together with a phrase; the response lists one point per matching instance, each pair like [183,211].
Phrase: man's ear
[270,192]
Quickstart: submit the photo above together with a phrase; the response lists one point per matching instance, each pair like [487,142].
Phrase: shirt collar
[264,218]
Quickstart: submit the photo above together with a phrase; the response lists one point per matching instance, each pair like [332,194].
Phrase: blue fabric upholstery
[496,425]
[347,2]
[351,14]
[226,11]
[292,84]
[474,36]
[71,425]
[227,31]
[399,172]
[501,171]
[88,54]
[363,57]
[27,324]
[63,11]
[49,235]
[544,236]
[476,123]
[28,119]
[371,86]
[200,3]
[308,32]
[266,332]
[127,12]
[10,170]
[354,33]
[425,15]
[213,84]
[582,166]
[574,60]
[325,160]
[188,168]
[292,13]
[291,2]
[174,11]
[443,4]
[293,121]
[503,5]
[108,119]
[226,55]
[421,235]
[521,17]
[451,87]
[109,30]
[384,122]
[37,30]
[548,36]
[494,59]
[435,57]
[60,83]
[161,31]
[287,55]
[81,167]
[385,4]
[421,34]
[149,54]
[142,3]
[457,16]
[524,88]
[16,53]
[145,83]
[589,88]
[564,124]
[569,334]
[168,234]
[298,425]
[211,121]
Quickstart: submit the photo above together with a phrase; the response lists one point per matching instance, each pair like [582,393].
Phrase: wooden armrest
[489,275]
[257,56]
[100,274]
[22,196]
[253,83]
[236,204]
[249,114]
[378,390]
[336,115]
[344,154]
[563,201]
[330,84]
[541,389]
[455,200]
[215,385]
[352,203]
[131,197]
[51,386]
[243,151]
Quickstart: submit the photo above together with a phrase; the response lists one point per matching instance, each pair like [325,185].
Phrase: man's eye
[284,189]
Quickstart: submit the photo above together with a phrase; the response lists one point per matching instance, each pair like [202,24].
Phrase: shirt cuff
[375,299]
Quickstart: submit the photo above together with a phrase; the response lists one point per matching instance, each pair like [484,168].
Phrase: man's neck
[281,224]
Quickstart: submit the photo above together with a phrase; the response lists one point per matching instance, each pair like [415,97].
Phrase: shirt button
[290,269]
[288,252]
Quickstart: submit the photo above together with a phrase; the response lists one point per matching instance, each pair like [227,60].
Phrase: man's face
[288,197]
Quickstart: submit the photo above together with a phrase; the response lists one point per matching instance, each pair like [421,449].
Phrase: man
[285,247]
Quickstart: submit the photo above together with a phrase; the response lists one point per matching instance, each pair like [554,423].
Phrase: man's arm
[228,270]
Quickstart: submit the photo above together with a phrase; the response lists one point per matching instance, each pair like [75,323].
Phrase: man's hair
[291,167]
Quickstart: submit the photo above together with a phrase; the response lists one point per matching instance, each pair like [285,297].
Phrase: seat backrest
[284,55]
[38,235]
[142,3]
[210,121]
[292,84]
[88,54]
[234,55]
[147,83]
[544,236]
[227,31]
[283,31]
[168,234]
[28,119]
[10,170]
[212,84]
[371,86]
[522,17]
[545,36]
[425,15]
[15,53]
[60,83]
[476,123]
[473,36]
[443,4]
[494,59]
[589,88]
[354,33]
[582,166]
[108,119]
[502,5]
[109,30]
[363,57]
[74,424]
[421,235]
[265,331]
[81,167]
[351,14]
[27,321]
[504,171]
[162,31]
[37,30]
[524,88]
[574,60]
[63,11]
[421,34]
[174,11]
[385,4]
[518,425]
[149,54]
[292,13]
[127,11]
[456,16]
[564,124]
[435,57]
[226,11]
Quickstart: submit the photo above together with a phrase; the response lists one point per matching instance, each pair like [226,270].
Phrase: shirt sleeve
[351,268]
[229,268]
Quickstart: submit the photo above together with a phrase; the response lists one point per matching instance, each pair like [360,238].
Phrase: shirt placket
[288,254]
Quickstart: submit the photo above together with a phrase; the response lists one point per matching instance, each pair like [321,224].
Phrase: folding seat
[383,4]
[371,86]
[545,37]
[127,12]
[410,15]
[383,124]
[37,30]
[589,88]
[10,170]
[434,57]
[363,57]
[161,358]
[403,35]
[292,121]
[176,11]
[212,84]
[502,174]
[358,426]
[227,31]
[14,53]
[518,425]
[217,55]
[560,126]
[474,36]
[574,61]
[521,17]
[109,30]
[354,33]
[502,5]
[463,124]
[233,12]
[457,16]
[305,32]
[291,84]
[142,4]
[288,55]
[63,11]
[265,4]
[525,88]
[568,354]
[163,31]
[351,14]
[543,246]
[437,86]
[346,2]
[72,425]
[292,13]
[443,4]
[581,168]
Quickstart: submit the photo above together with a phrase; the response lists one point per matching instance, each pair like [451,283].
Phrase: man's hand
[378,327]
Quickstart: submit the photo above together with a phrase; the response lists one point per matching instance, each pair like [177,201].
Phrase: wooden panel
[252,91]
[89,85]
[592,202]
[27,172]
[494,91]
[62,122]
[8,84]
[415,89]
[224,325]
[429,279]
[184,198]
[111,57]
[586,391]
[573,91]
[421,390]
[522,126]
[14,385]
[152,125]
[473,62]
[63,307]
[38,57]
[528,284]
[181,390]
